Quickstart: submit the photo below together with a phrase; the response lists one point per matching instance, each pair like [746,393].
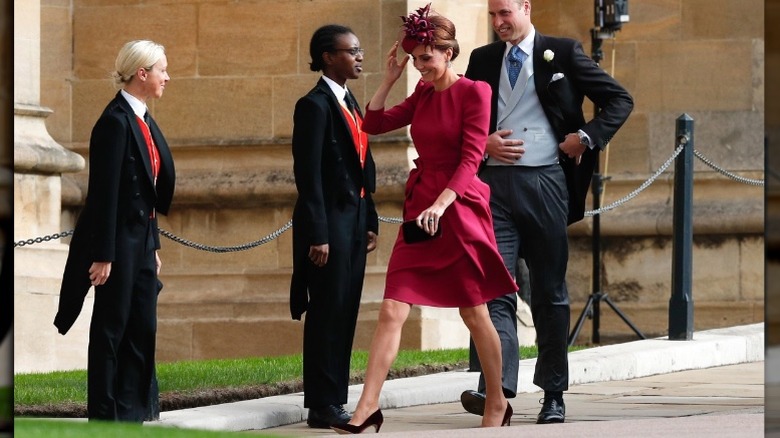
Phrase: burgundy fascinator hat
[417,29]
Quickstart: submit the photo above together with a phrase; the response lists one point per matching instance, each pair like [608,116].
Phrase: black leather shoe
[326,416]
[473,402]
[553,411]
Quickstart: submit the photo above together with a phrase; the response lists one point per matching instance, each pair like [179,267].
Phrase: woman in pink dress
[449,116]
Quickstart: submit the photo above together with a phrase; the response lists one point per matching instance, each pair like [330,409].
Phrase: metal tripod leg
[624,317]
[581,320]
[589,310]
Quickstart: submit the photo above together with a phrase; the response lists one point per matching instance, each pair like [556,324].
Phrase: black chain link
[43,239]
[223,249]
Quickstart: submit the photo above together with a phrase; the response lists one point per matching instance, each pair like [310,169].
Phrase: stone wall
[237,68]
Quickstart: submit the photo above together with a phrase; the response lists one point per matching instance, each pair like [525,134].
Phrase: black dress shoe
[473,402]
[553,411]
[326,416]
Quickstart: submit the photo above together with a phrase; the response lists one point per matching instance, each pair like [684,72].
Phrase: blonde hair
[134,55]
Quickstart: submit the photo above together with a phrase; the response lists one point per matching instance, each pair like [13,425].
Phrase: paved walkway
[677,404]
[712,386]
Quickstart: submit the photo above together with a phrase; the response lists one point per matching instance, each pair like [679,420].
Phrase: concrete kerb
[625,361]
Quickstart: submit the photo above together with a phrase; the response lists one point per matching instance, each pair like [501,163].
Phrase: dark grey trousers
[530,207]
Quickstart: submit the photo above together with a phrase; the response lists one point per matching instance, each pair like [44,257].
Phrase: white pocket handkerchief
[556,76]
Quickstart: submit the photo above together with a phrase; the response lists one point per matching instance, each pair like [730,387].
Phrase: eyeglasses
[354,51]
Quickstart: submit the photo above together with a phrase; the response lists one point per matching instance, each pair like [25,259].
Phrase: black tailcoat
[329,209]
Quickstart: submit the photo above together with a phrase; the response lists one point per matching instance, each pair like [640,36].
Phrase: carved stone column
[39,162]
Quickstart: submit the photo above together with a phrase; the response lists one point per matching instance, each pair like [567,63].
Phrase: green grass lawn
[193,376]
[30,428]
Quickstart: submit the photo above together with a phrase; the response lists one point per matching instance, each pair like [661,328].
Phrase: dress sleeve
[381,121]
[476,118]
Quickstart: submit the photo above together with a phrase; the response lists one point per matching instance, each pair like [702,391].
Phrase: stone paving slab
[615,403]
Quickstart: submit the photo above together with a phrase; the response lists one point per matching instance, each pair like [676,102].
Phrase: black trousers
[334,301]
[122,334]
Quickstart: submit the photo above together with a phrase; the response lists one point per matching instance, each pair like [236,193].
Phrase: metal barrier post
[681,302]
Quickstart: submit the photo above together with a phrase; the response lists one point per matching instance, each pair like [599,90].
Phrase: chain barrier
[43,239]
[726,173]
[223,249]
[396,220]
[391,220]
[641,188]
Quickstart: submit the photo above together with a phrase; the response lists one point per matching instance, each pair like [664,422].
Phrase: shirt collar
[139,108]
[337,89]
[526,45]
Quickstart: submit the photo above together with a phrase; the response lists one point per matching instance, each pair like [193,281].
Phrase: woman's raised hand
[394,68]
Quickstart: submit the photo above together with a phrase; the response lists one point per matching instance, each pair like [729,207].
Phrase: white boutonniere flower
[549,55]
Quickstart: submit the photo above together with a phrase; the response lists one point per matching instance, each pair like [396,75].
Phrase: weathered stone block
[364,21]
[36,196]
[245,338]
[58,124]
[733,140]
[752,271]
[174,340]
[89,100]
[246,39]
[627,153]
[55,59]
[287,90]
[199,287]
[95,50]
[205,110]
[721,20]
[659,20]
[690,75]
[38,347]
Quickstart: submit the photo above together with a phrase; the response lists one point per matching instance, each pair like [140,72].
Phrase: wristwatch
[583,138]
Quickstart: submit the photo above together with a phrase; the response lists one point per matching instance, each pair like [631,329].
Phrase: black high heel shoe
[376,419]
[507,415]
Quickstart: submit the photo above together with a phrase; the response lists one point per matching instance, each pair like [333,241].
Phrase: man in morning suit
[539,162]
[335,223]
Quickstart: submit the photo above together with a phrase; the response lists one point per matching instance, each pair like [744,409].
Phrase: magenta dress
[462,268]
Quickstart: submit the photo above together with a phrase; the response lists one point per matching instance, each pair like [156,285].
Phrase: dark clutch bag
[415,234]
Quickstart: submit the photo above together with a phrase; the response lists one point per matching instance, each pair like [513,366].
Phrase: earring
[449,64]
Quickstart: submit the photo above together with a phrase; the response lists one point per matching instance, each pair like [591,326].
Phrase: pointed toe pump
[507,415]
[376,419]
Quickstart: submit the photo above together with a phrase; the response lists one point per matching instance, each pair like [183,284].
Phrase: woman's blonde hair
[134,55]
